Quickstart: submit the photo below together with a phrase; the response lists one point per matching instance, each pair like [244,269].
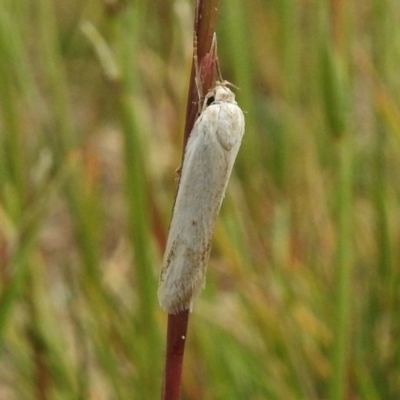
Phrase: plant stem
[204,28]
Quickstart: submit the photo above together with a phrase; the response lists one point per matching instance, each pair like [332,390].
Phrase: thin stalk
[204,30]
[344,271]
[338,110]
[127,87]
[176,339]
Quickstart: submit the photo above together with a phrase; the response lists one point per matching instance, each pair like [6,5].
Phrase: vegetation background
[302,298]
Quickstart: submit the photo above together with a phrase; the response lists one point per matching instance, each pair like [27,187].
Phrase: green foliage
[302,289]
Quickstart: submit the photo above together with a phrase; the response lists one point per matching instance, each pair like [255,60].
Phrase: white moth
[209,157]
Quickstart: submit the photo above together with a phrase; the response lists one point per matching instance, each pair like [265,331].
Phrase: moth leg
[178,171]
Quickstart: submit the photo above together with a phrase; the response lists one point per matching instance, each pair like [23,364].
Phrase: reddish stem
[176,339]
[205,22]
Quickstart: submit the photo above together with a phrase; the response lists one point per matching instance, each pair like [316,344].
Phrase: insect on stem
[207,165]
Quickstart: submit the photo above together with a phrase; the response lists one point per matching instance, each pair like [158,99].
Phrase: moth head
[219,94]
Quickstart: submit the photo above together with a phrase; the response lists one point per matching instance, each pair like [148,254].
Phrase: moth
[207,165]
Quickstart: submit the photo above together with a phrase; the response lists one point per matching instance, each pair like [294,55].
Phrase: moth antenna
[219,73]
[227,83]
[197,76]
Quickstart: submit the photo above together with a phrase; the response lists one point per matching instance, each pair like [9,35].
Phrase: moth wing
[210,154]
[200,193]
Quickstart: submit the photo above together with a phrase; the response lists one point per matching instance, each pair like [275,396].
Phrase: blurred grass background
[302,298]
